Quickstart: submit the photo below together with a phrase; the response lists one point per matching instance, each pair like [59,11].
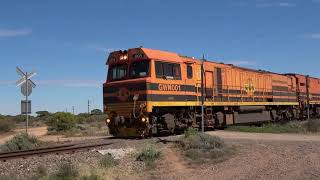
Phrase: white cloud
[15,32]
[71,83]
[286,4]
[274,4]
[100,48]
[312,36]
[263,3]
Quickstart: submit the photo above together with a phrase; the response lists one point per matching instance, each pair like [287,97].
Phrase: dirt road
[41,134]
[259,156]
[38,132]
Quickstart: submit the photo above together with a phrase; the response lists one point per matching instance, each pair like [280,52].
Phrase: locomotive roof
[171,56]
[175,57]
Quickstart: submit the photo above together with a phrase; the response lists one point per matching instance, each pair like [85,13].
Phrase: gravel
[88,158]
[118,153]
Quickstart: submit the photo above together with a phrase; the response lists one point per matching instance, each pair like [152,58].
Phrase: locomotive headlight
[145,119]
[124,57]
[108,120]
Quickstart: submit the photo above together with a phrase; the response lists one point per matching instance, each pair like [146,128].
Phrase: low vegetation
[21,141]
[108,161]
[200,147]
[313,125]
[66,171]
[58,123]
[148,154]
[61,121]
[6,125]
[289,127]
[77,125]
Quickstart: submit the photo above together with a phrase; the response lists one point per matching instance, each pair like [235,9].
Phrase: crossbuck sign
[26,89]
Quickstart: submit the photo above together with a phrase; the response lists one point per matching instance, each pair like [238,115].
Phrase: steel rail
[48,150]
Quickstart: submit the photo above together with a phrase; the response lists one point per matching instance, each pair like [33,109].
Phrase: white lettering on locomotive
[169,87]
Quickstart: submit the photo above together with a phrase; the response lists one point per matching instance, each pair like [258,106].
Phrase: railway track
[50,150]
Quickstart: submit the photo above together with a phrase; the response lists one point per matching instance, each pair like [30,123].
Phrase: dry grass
[312,126]
[148,154]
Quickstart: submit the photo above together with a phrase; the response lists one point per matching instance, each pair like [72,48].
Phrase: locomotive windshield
[137,70]
[140,69]
[117,72]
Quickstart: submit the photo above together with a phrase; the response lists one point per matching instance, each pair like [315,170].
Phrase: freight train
[151,92]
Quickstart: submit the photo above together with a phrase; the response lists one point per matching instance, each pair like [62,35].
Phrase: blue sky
[67,42]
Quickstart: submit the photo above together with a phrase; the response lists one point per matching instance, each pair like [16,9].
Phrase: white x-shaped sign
[25,77]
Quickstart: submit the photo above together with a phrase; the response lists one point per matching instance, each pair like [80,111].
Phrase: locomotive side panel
[283,88]
[314,88]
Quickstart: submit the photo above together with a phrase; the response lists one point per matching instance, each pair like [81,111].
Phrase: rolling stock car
[151,92]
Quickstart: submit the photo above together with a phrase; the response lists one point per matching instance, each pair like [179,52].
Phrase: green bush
[201,147]
[149,154]
[21,141]
[96,112]
[61,121]
[201,141]
[6,125]
[313,125]
[191,132]
[108,161]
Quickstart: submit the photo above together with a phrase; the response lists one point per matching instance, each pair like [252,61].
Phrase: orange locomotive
[152,92]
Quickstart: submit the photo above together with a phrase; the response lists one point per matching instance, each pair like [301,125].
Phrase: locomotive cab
[140,81]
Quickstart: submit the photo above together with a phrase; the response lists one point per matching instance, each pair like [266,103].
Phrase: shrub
[21,141]
[96,112]
[91,177]
[61,121]
[6,125]
[200,147]
[313,125]
[148,154]
[96,118]
[39,173]
[108,161]
[201,141]
[66,171]
[191,132]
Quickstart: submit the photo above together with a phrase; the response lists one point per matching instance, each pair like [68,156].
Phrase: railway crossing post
[26,89]
[308,96]
[202,95]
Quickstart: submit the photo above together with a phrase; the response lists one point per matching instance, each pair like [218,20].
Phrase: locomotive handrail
[226,92]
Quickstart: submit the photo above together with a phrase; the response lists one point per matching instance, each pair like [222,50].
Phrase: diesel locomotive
[150,92]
